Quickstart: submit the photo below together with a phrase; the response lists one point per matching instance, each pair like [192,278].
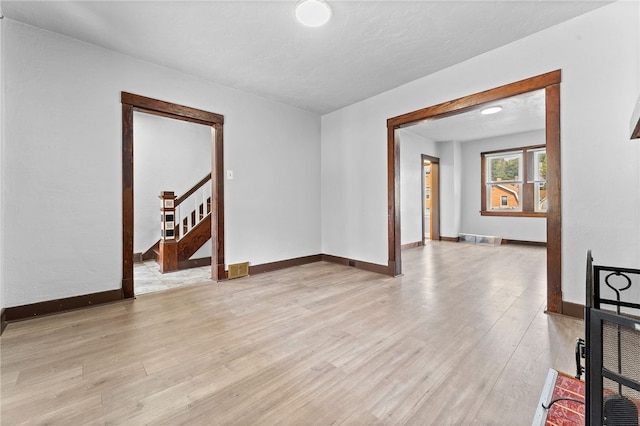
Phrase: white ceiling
[522,113]
[368,47]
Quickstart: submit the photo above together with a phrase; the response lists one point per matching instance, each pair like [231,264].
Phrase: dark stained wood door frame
[550,82]
[131,103]
[435,198]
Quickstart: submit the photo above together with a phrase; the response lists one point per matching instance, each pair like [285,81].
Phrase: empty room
[385,212]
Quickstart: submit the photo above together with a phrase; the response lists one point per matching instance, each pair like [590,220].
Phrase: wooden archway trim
[551,83]
[131,103]
[171,110]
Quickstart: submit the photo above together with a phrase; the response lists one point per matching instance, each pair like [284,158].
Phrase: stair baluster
[191,226]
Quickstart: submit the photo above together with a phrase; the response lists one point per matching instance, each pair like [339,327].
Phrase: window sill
[514,214]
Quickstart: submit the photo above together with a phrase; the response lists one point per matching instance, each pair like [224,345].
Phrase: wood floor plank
[460,338]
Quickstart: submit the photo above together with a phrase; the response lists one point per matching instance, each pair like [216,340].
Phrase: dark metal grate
[612,346]
[620,357]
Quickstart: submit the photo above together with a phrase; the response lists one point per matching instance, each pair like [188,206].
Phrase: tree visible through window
[515,181]
[540,180]
[505,169]
[504,185]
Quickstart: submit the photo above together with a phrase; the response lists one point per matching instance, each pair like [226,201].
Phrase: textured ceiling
[522,113]
[368,47]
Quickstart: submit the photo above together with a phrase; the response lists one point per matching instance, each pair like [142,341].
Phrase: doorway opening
[550,82]
[171,156]
[426,191]
[430,198]
[134,103]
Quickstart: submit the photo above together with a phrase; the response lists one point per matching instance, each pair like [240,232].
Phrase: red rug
[565,413]
[561,413]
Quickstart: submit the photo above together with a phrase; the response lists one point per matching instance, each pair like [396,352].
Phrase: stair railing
[178,216]
[193,206]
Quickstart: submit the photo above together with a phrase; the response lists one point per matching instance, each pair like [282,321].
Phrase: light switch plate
[229,174]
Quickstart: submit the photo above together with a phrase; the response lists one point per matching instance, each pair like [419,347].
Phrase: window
[515,182]
[540,179]
[503,182]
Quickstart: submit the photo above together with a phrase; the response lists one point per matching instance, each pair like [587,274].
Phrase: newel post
[168,257]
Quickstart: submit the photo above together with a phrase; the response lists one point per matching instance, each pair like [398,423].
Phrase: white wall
[450,188]
[457,187]
[598,55]
[516,228]
[62,165]
[353,189]
[2,305]
[411,149]
[169,155]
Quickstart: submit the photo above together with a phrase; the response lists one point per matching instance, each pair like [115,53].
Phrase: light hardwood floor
[461,339]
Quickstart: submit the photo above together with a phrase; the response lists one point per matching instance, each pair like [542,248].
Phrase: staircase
[185,227]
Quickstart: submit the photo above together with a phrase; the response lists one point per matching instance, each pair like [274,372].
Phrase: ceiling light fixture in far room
[491,110]
[313,13]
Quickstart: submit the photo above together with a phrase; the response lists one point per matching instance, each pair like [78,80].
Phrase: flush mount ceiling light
[491,110]
[313,13]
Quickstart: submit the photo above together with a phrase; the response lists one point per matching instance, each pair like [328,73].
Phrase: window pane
[505,196]
[505,167]
[541,165]
[541,197]
[537,165]
[536,160]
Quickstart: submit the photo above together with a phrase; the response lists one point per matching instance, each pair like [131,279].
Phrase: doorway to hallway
[135,103]
[430,198]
